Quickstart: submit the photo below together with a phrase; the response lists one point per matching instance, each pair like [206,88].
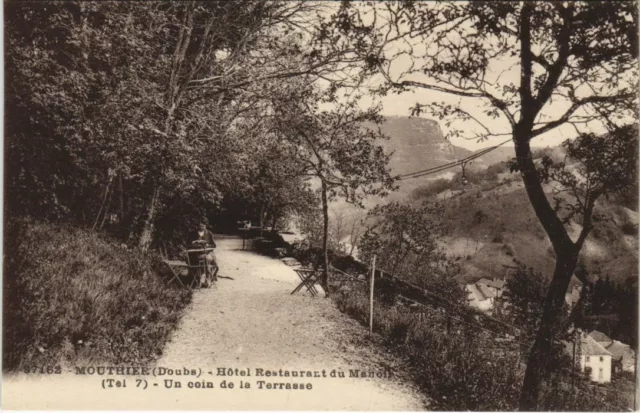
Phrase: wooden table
[201,264]
[246,234]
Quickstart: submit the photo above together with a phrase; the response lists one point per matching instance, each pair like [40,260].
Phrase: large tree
[88,63]
[403,238]
[187,82]
[214,51]
[520,70]
[338,147]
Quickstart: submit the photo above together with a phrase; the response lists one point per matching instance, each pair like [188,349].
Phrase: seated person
[199,239]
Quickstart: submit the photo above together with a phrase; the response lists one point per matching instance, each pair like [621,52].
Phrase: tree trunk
[566,261]
[261,219]
[121,191]
[324,281]
[106,210]
[107,191]
[538,361]
[147,231]
[174,92]
[354,235]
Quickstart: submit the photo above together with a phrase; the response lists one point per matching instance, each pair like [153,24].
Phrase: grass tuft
[71,296]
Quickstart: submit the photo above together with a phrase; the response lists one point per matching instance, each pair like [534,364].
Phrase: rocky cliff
[417,144]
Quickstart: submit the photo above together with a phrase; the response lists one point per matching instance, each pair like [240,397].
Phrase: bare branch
[577,105]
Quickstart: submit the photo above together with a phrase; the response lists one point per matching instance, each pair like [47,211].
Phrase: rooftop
[619,350]
[600,337]
[496,283]
[486,291]
[477,294]
[590,347]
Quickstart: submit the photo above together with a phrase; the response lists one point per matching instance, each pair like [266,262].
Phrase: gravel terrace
[253,322]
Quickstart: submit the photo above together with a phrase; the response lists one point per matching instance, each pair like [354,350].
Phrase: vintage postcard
[317,205]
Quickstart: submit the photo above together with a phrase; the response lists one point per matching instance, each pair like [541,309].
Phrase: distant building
[601,338]
[478,299]
[482,293]
[596,358]
[623,358]
[571,298]
[496,285]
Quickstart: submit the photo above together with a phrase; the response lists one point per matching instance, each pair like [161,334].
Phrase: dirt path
[253,322]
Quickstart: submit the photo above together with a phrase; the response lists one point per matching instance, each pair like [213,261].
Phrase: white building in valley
[483,293]
[478,299]
[595,358]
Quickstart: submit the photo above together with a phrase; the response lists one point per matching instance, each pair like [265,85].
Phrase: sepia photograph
[320,205]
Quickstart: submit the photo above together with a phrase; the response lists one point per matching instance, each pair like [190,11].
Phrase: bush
[432,188]
[497,168]
[72,296]
[385,292]
[456,371]
[464,368]
[629,228]
[479,217]
[349,265]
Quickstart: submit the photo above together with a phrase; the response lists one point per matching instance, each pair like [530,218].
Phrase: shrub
[629,228]
[313,256]
[497,168]
[272,244]
[72,296]
[432,188]
[349,265]
[457,371]
[385,292]
[464,368]
[479,217]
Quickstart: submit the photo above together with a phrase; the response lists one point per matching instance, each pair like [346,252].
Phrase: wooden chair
[175,267]
[308,279]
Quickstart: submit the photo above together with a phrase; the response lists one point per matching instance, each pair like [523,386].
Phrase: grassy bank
[71,296]
[455,370]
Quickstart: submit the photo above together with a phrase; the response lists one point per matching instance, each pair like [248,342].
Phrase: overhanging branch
[577,105]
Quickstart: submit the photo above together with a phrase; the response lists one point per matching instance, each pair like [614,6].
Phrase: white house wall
[596,363]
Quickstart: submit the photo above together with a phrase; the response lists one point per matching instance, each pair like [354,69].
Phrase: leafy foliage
[464,368]
[191,86]
[611,308]
[403,239]
[334,147]
[521,305]
[605,165]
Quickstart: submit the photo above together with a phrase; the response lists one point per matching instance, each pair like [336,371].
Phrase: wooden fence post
[573,369]
[373,276]
[635,383]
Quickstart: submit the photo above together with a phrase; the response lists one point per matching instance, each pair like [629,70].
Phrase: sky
[400,105]
[501,71]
